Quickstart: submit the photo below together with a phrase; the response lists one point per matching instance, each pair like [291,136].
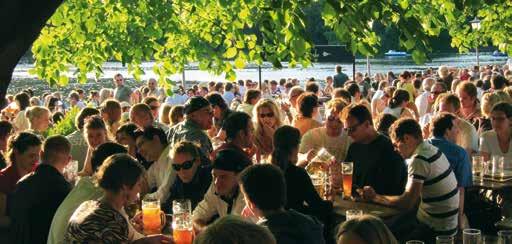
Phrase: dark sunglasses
[352,128]
[185,165]
[270,115]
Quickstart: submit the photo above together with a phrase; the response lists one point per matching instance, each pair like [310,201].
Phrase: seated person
[444,131]
[497,142]
[367,229]
[431,182]
[264,190]
[232,229]
[84,190]
[383,168]
[223,197]
[104,220]
[331,135]
[239,134]
[39,194]
[194,178]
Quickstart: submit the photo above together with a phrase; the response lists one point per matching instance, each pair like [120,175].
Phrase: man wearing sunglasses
[193,179]
[198,118]
[223,197]
[376,163]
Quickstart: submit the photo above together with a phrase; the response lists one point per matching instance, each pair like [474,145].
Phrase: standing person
[37,196]
[122,93]
[105,220]
[431,182]
[339,78]
[154,90]
[229,93]
[223,196]
[383,168]
[198,118]
[264,190]
[84,190]
[406,84]
[329,87]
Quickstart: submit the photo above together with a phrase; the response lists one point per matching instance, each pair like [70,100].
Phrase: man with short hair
[264,189]
[435,91]
[229,94]
[153,104]
[153,146]
[198,118]
[223,197]
[383,168]
[141,115]
[422,100]
[74,100]
[154,90]
[38,195]
[121,93]
[431,182]
[239,134]
[339,78]
[444,132]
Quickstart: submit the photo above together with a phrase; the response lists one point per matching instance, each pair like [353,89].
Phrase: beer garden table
[342,205]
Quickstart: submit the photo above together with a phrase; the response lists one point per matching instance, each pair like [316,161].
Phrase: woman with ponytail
[299,186]
[398,105]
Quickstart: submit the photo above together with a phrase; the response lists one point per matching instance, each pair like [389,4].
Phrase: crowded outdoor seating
[369,159]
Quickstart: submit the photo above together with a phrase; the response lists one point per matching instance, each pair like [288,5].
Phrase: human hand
[137,222]
[367,193]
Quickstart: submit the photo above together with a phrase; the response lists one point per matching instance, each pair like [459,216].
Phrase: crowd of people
[239,152]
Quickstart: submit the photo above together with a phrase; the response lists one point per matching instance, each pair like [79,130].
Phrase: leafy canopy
[224,35]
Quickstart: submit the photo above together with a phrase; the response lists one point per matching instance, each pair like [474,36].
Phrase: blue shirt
[458,158]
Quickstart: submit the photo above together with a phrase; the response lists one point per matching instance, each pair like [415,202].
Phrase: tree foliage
[224,35]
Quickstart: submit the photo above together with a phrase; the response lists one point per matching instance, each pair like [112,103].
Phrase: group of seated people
[243,168]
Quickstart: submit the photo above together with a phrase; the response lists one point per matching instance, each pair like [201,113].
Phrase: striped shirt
[439,204]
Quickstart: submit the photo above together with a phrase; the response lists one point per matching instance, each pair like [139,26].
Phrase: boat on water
[393,53]
[499,54]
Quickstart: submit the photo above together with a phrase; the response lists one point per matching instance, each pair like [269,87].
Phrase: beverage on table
[182,230]
[353,214]
[151,216]
[319,184]
[320,162]
[478,164]
[471,236]
[347,170]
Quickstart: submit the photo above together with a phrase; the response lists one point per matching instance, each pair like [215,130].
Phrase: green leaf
[230,53]
[239,63]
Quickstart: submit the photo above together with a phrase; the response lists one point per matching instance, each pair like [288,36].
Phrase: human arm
[87,170]
[204,210]
[406,201]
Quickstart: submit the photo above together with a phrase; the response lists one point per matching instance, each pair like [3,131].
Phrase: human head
[449,103]
[104,151]
[73,98]
[227,165]
[121,175]
[218,104]
[443,71]
[127,134]
[353,89]
[488,101]
[219,87]
[176,114]
[427,84]
[384,121]
[38,118]
[82,115]
[198,110]
[312,87]
[186,156]
[357,120]
[294,94]
[307,104]
[333,124]
[406,135]
[405,76]
[95,131]
[105,93]
[399,99]
[266,113]
[328,79]
[118,80]
[338,68]
[286,142]
[263,187]
[437,89]
[23,100]
[34,101]
[501,117]
[366,229]
[141,115]
[233,229]
[445,125]
[151,84]
[111,111]
[239,128]
[56,151]
[252,96]
[6,131]
[151,143]
[467,93]
[498,82]
[342,93]
[153,104]
[24,150]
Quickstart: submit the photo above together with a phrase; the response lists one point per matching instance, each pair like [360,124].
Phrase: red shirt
[8,179]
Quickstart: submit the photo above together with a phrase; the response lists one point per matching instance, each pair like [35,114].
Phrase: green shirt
[84,190]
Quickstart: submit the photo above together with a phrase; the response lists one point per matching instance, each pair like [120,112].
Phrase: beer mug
[182,230]
[347,168]
[152,217]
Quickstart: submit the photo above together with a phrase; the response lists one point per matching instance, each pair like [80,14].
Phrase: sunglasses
[352,128]
[185,165]
[270,115]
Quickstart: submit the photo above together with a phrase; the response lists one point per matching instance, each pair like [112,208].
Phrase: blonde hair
[36,112]
[164,114]
[491,99]
[443,71]
[336,105]
[266,103]
[369,228]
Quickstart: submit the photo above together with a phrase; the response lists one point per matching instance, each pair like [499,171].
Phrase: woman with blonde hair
[267,119]
[164,114]
[95,134]
[365,229]
[488,102]
[38,119]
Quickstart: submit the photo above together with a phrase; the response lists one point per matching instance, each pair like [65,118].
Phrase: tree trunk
[22,22]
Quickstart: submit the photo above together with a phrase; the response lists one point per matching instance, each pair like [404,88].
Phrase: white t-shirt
[422,103]
[317,138]
[489,144]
